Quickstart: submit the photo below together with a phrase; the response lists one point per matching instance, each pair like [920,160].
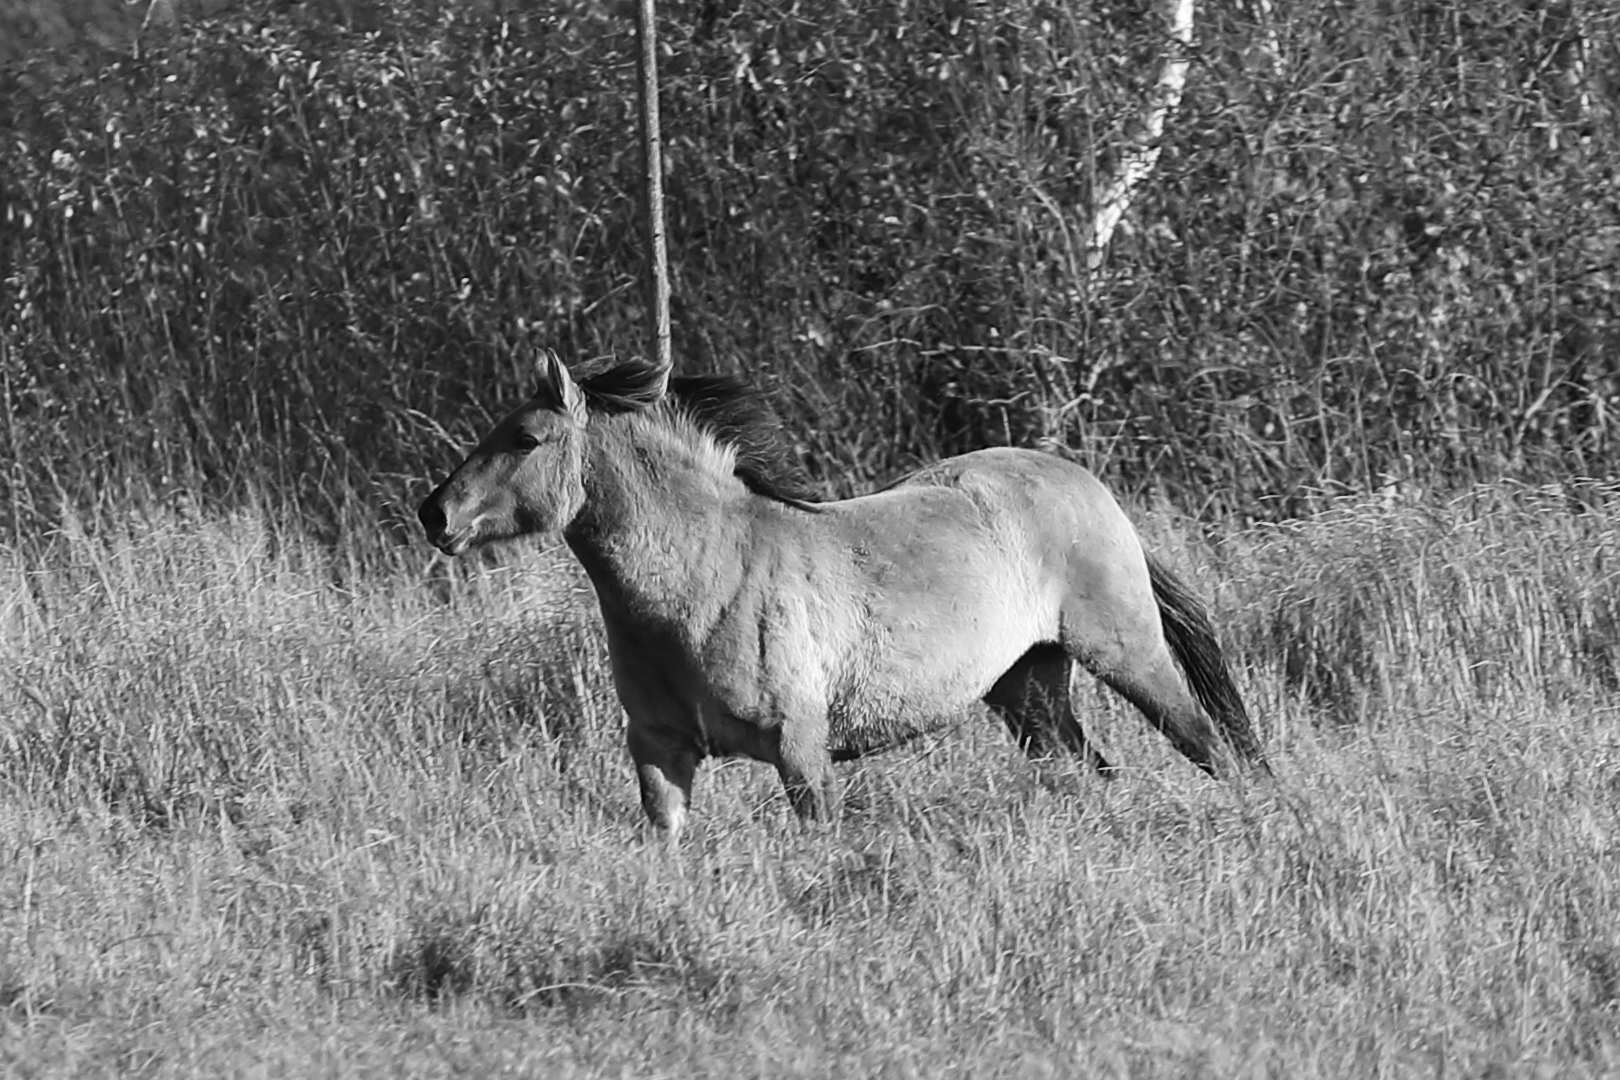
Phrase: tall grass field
[262,814]
[283,793]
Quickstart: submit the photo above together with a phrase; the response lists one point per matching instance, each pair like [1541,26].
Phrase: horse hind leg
[1032,698]
[1148,678]
[1155,688]
[1114,627]
[1128,653]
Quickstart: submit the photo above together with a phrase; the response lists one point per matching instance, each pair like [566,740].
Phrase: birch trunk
[1138,159]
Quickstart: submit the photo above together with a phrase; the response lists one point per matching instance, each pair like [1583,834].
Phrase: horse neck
[658,526]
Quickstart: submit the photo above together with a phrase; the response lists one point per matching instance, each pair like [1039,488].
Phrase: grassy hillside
[258,822]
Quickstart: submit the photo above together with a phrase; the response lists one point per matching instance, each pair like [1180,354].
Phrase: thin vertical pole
[652,158]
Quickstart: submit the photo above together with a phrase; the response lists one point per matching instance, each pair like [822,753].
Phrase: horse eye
[524,441]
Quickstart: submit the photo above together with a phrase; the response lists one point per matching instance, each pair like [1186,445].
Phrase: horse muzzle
[437,527]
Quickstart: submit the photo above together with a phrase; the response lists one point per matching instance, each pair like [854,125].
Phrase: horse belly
[948,600]
[921,669]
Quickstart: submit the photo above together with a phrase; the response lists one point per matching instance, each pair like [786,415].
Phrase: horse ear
[555,379]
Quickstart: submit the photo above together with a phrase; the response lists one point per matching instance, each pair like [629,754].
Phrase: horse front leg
[664,767]
[804,762]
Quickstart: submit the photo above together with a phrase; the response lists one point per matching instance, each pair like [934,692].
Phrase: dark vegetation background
[263,251]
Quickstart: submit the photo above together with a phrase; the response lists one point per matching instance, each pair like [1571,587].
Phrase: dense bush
[268,252]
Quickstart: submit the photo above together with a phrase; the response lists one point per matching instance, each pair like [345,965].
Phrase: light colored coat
[740,624]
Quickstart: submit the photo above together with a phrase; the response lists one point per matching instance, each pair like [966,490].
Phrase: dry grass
[257,824]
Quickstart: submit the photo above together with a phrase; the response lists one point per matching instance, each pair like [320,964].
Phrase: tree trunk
[652,157]
[1138,159]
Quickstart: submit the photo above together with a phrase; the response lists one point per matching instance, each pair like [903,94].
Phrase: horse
[745,617]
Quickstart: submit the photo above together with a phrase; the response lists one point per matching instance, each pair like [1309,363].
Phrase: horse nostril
[431,515]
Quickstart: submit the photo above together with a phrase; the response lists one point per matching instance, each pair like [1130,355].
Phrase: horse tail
[1192,639]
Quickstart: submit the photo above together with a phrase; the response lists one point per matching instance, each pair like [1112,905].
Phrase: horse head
[523,477]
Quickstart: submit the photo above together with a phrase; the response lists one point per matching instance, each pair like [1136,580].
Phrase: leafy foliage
[271,252]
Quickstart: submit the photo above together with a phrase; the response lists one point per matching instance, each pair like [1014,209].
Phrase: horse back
[1054,510]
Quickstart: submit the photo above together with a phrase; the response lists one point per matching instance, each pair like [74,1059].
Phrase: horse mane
[728,408]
